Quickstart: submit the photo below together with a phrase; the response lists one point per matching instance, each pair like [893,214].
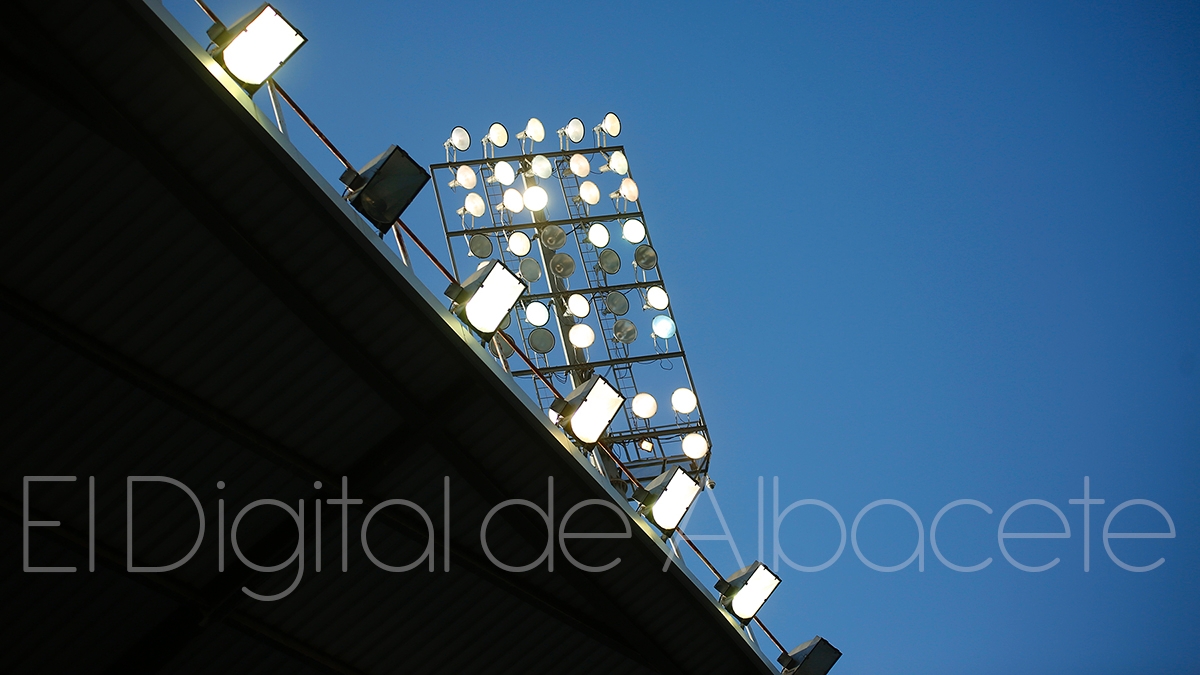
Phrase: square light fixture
[486,297]
[667,498]
[815,657]
[385,186]
[747,590]
[256,46]
[589,409]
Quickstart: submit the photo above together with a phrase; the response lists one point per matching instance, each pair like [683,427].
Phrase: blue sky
[921,252]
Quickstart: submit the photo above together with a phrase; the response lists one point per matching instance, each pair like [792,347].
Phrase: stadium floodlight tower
[570,224]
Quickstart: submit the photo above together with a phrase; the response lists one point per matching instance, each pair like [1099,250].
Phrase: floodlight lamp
[628,190]
[473,205]
[581,336]
[815,657]
[747,590]
[256,46]
[513,201]
[573,131]
[503,173]
[497,135]
[644,405]
[646,445]
[580,165]
[486,297]
[460,139]
[534,131]
[536,314]
[535,198]
[610,125]
[578,305]
[541,167]
[464,176]
[562,265]
[683,401]
[616,164]
[589,409]
[589,193]
[656,298]
[633,231]
[663,326]
[667,498]
[598,235]
[518,244]
[624,331]
[384,188]
[695,446]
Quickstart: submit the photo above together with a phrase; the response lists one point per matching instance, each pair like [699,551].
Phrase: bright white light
[464,176]
[683,401]
[261,48]
[541,167]
[580,165]
[575,130]
[611,125]
[492,302]
[751,597]
[536,198]
[644,406]
[633,231]
[578,305]
[598,235]
[498,135]
[629,190]
[663,326]
[589,193]
[537,314]
[617,163]
[503,172]
[647,446]
[534,130]
[513,200]
[674,501]
[695,446]
[597,410]
[474,205]
[518,244]
[581,335]
[460,138]
[657,298]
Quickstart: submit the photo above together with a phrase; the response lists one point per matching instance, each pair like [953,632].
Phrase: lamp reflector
[518,244]
[260,48]
[657,298]
[629,190]
[497,135]
[513,200]
[530,270]
[683,401]
[663,326]
[460,139]
[598,235]
[611,125]
[536,198]
[633,231]
[581,335]
[589,193]
[616,303]
[541,340]
[534,130]
[464,176]
[695,446]
[574,130]
[580,165]
[553,237]
[578,305]
[503,173]
[624,331]
[536,314]
[617,164]
[644,405]
[474,205]
[541,167]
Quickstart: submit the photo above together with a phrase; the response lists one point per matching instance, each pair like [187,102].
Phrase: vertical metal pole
[277,107]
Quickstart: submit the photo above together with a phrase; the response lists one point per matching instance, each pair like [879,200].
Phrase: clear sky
[919,252]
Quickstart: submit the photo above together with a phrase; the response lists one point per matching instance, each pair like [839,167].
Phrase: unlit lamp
[815,657]
[384,188]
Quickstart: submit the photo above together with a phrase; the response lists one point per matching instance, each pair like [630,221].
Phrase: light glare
[513,200]
[633,231]
[536,198]
[581,336]
[644,405]
[683,401]
[598,235]
[695,446]
[261,48]
[492,302]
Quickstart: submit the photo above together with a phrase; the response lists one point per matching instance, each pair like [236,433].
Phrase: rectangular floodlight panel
[815,657]
[391,182]
[261,47]
[495,298]
[597,410]
[754,593]
[675,500]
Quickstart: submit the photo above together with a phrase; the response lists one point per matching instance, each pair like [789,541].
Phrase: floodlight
[667,498]
[633,231]
[610,125]
[385,186]
[616,303]
[683,401]
[644,405]
[473,205]
[562,265]
[464,177]
[534,131]
[581,335]
[656,298]
[480,246]
[536,314]
[589,193]
[589,409]
[624,331]
[503,173]
[580,165]
[744,593]
[598,235]
[256,46]
[518,244]
[553,237]
[645,257]
[530,270]
[541,340]
[578,305]
[663,326]
[497,135]
[460,139]
[610,262]
[536,198]
[628,190]
[573,131]
[815,657]
[486,297]
[541,167]
[513,201]
[646,445]
[617,164]
[695,446]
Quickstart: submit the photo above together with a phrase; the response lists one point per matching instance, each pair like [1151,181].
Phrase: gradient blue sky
[917,252]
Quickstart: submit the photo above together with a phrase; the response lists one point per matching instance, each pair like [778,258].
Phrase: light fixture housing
[535,198]
[589,409]
[537,314]
[484,300]
[628,190]
[610,125]
[589,193]
[503,174]
[460,139]
[663,326]
[747,590]
[694,446]
[581,336]
[683,401]
[633,231]
[497,135]
[644,405]
[474,205]
[578,305]
[256,46]
[667,498]
[513,201]
[465,177]
[656,298]
[815,657]
[519,244]
[598,235]
[541,167]
[573,131]
[385,186]
[580,165]
[617,163]
[534,131]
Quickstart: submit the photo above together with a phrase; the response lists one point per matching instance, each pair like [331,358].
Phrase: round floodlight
[580,165]
[506,349]
[562,265]
[536,314]
[624,331]
[464,176]
[498,135]
[480,245]
[633,231]
[611,125]
[683,401]
[574,130]
[541,340]
[589,193]
[535,198]
[513,200]
[541,167]
[504,173]
[657,298]
[553,237]
[598,235]
[663,326]
[629,190]
[518,244]
[610,262]
[695,446]
[460,139]
[474,205]
[578,305]
[581,335]
[644,406]
[645,257]
[618,164]
[534,130]
[530,270]
[616,303]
